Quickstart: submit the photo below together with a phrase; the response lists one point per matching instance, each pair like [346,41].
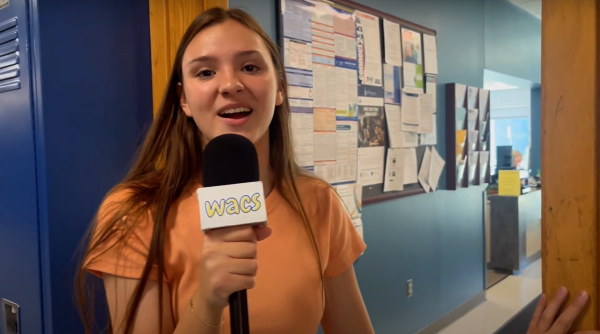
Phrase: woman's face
[229,82]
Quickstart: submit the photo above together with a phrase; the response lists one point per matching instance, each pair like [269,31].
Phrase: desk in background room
[515,231]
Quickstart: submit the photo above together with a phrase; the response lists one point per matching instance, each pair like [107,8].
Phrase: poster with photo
[371,126]
[412,53]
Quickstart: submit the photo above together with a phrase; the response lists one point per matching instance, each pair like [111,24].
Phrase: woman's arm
[345,311]
[119,291]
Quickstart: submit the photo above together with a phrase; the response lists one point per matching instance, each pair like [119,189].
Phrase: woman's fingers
[564,322]
[537,315]
[549,314]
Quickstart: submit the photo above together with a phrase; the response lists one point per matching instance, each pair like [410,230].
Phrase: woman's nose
[230,83]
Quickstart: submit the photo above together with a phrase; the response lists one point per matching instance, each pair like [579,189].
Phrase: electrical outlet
[409,288]
[10,317]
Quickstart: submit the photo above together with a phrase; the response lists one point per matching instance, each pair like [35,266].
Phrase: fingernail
[562,292]
[583,295]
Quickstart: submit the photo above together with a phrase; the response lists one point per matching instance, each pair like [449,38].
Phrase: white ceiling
[532,6]
[498,81]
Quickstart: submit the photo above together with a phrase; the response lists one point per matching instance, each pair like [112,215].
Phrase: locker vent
[9,56]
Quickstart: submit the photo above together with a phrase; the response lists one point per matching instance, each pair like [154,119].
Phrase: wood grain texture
[570,151]
[159,45]
[216,3]
[169,19]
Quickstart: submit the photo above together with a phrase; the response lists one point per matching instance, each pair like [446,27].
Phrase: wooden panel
[216,3]
[169,20]
[570,156]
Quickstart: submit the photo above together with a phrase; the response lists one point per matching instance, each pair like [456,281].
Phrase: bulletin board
[362,91]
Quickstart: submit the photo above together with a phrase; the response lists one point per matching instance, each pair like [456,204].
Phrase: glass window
[510,131]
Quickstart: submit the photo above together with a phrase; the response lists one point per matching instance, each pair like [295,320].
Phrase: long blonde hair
[173,142]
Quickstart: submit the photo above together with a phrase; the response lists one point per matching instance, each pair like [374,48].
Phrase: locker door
[19,230]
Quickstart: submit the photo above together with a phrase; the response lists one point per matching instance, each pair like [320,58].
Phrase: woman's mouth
[236,113]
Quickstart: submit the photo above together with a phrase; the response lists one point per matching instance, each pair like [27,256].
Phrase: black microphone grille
[229,159]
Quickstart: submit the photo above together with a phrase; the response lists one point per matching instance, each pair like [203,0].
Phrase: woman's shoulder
[318,196]
[123,206]
[313,188]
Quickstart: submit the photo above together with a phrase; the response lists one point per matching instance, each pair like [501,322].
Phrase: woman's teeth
[236,112]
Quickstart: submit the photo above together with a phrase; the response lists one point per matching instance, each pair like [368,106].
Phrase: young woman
[160,272]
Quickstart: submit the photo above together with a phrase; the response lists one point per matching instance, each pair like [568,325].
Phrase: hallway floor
[504,301]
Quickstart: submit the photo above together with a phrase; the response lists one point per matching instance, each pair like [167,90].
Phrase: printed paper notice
[410,166]
[344,30]
[411,105]
[430,96]
[325,170]
[324,86]
[392,81]
[392,114]
[351,196]
[509,183]
[370,165]
[324,146]
[430,47]
[346,66]
[296,21]
[347,151]
[368,43]
[297,54]
[324,120]
[398,138]
[392,46]
[409,139]
[425,115]
[484,97]
[359,229]
[346,92]
[430,138]
[435,169]
[358,225]
[425,169]
[394,170]
[302,131]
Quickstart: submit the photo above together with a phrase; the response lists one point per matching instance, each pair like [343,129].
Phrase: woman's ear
[183,100]
[280,96]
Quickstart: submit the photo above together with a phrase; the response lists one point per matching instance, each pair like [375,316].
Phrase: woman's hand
[545,319]
[228,263]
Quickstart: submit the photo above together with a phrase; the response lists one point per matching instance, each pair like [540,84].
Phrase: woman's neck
[266,174]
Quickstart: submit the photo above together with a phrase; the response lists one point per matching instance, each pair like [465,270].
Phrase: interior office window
[510,131]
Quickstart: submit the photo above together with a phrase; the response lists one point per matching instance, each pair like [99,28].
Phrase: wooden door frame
[168,21]
[571,151]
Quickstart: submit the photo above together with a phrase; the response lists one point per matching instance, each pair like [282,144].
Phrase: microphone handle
[238,312]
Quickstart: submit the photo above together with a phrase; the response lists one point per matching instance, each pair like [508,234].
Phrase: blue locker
[75,99]
[19,230]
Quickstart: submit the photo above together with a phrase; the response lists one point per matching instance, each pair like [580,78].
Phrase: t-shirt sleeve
[122,251]
[345,244]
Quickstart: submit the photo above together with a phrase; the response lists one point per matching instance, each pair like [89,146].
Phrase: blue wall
[437,240]
[513,41]
[536,130]
[97,98]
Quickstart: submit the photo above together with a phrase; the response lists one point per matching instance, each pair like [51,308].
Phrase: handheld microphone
[232,196]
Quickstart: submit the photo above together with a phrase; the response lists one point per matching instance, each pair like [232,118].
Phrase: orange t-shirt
[287,297]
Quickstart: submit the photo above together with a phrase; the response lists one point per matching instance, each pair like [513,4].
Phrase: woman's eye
[205,74]
[250,68]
